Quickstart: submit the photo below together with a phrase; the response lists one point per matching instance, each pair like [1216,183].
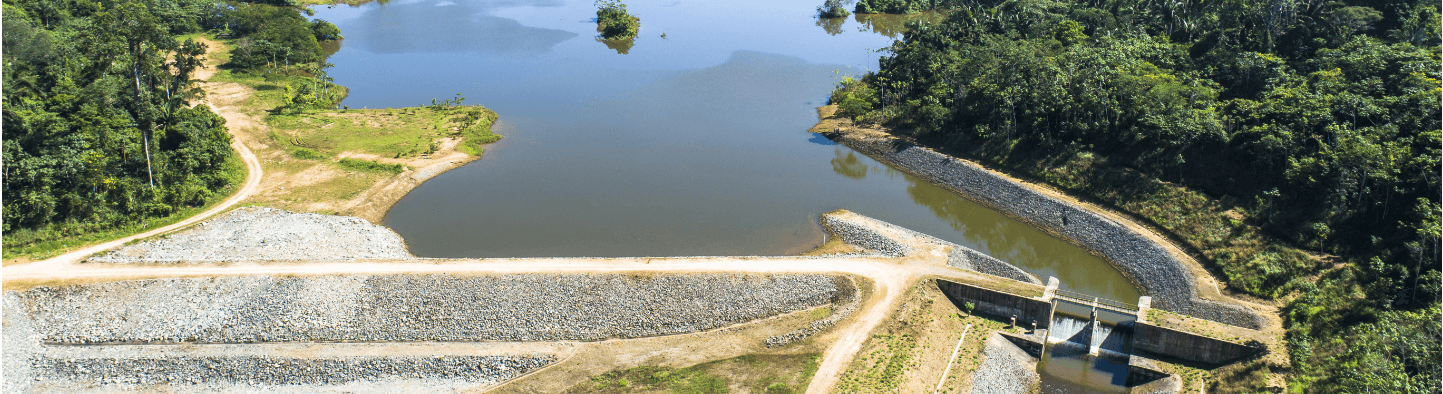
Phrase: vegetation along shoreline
[252,73]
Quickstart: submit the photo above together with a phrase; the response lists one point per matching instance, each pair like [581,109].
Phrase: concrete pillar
[1094,334]
[1144,303]
[1051,289]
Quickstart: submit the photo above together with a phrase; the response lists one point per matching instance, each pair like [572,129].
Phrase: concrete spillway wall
[1157,272]
[1187,346]
[1145,337]
[1000,304]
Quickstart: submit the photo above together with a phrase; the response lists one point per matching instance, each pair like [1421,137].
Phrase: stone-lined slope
[1005,369]
[270,371]
[1157,272]
[388,308]
[267,234]
[892,240]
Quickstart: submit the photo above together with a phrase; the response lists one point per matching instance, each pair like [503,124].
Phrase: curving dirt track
[252,183]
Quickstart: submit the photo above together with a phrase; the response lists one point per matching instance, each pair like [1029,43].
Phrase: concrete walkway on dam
[894,259]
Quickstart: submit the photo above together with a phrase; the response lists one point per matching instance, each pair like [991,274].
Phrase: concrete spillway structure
[1101,327]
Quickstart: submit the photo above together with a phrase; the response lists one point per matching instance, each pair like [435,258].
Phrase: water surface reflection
[695,144]
[446,26]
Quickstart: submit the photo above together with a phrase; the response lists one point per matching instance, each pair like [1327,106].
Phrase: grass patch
[820,313]
[757,373]
[58,238]
[370,166]
[909,352]
[393,133]
[389,132]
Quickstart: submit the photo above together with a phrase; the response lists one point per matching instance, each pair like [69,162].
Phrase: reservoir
[694,143]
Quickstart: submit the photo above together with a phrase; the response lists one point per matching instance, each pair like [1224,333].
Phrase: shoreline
[297,179]
[1171,277]
[373,204]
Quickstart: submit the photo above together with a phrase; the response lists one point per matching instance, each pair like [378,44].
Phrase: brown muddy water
[691,144]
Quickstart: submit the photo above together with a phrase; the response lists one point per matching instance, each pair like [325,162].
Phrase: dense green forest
[1316,122]
[99,127]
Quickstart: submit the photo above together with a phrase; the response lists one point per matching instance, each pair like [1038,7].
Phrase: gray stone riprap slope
[387,308]
[259,370]
[849,302]
[891,240]
[19,343]
[1157,272]
[266,234]
[1005,369]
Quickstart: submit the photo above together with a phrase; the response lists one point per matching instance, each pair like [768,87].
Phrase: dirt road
[251,185]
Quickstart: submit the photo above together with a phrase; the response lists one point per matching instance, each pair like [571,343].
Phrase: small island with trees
[614,22]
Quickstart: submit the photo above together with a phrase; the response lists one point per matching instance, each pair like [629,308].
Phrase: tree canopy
[100,126]
[1321,118]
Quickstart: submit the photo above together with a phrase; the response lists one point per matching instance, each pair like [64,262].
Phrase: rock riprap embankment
[895,241]
[256,370]
[1160,274]
[385,308]
[266,234]
[17,344]
[1005,369]
[849,302]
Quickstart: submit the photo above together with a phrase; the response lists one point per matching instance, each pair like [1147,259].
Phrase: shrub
[306,154]
[370,166]
[832,9]
[614,22]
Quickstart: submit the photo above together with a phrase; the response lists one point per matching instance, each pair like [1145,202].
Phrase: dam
[1088,344]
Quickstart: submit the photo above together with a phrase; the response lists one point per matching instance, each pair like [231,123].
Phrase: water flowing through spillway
[1070,329]
[1068,367]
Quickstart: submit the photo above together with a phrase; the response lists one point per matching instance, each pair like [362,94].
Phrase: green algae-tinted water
[692,144]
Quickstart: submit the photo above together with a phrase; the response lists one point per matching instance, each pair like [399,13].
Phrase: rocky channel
[1159,274]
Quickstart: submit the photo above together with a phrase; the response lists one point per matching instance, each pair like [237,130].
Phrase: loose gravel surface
[891,240]
[1005,369]
[518,307]
[19,343]
[266,234]
[254,370]
[1156,271]
[379,309]
[844,307]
